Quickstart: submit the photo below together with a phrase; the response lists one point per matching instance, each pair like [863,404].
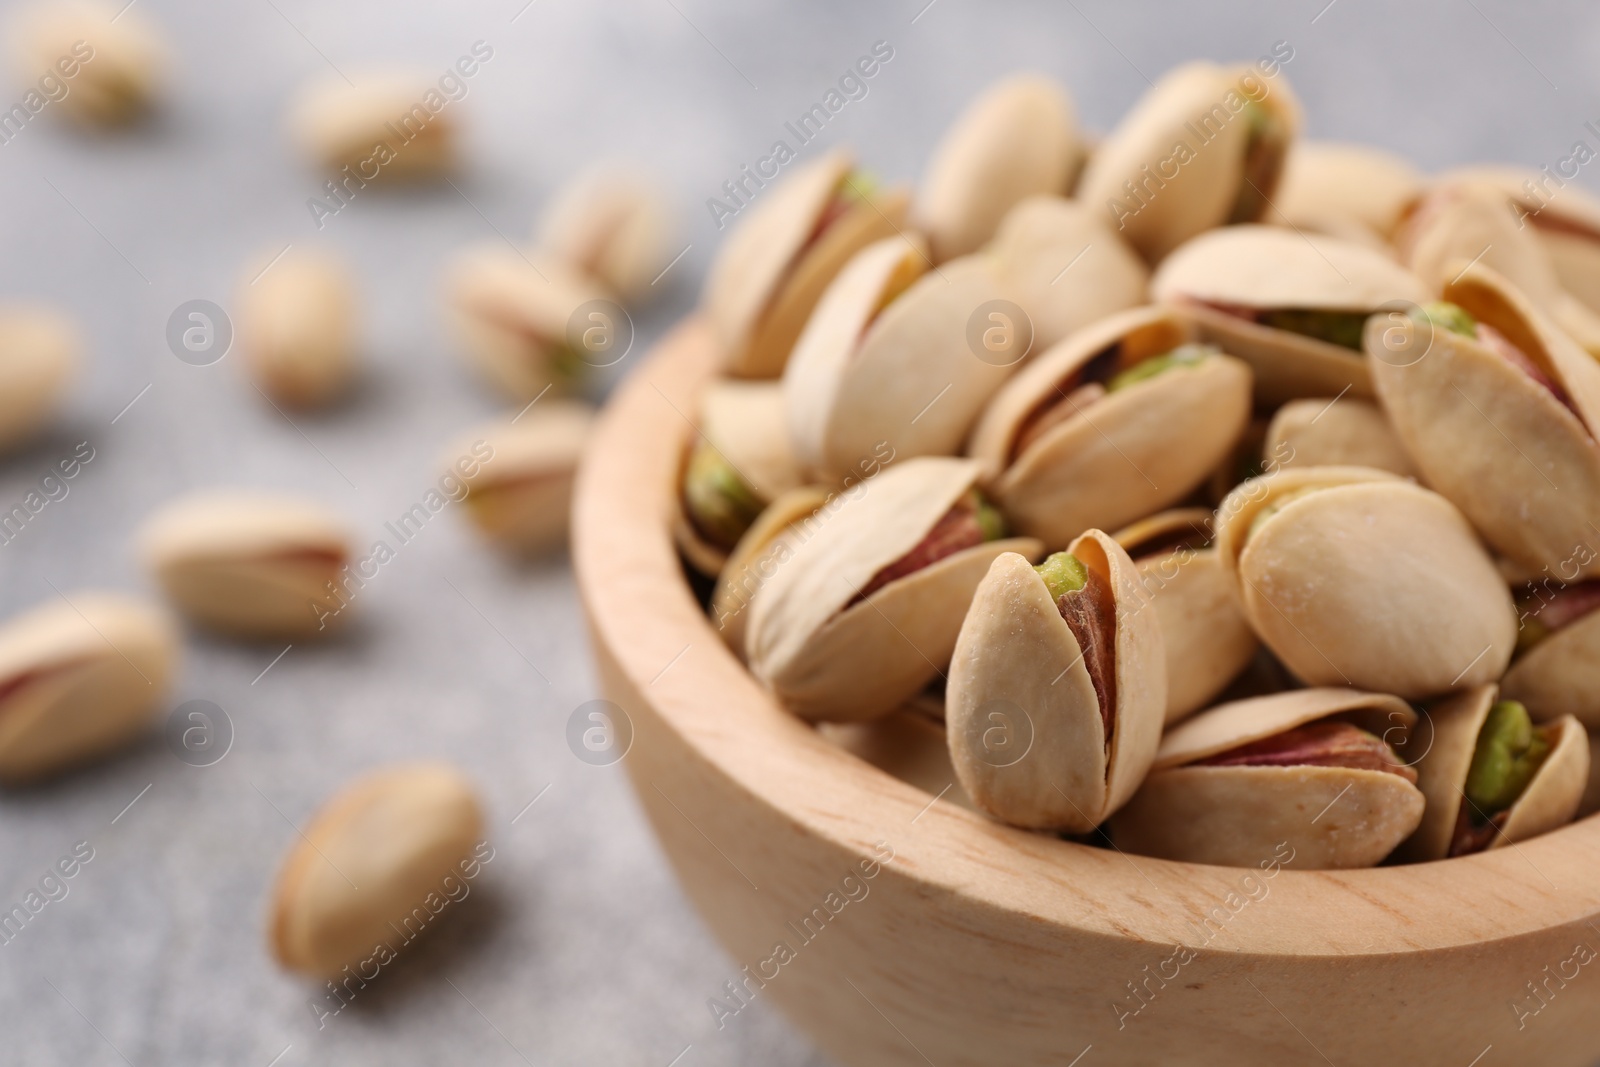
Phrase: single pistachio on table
[865,613]
[905,745]
[613,224]
[378,852]
[253,565]
[1352,191]
[780,257]
[39,354]
[1290,304]
[767,545]
[1208,641]
[1332,432]
[1498,409]
[1353,576]
[296,326]
[1019,138]
[515,317]
[79,677]
[1493,777]
[1557,666]
[112,60]
[1203,148]
[515,474]
[1066,266]
[1058,688]
[886,360]
[378,125]
[1314,768]
[1119,420]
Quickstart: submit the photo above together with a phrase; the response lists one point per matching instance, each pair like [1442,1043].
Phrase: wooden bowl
[980,944]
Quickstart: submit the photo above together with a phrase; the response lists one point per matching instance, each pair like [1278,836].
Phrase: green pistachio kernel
[718,501]
[1342,328]
[1063,573]
[1507,756]
[1145,369]
[1448,315]
[990,521]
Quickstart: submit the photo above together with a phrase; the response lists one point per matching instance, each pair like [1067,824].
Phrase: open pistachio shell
[1325,432]
[765,547]
[1019,669]
[377,124]
[1355,577]
[113,61]
[1331,817]
[830,655]
[1522,465]
[79,676]
[1067,267]
[1126,454]
[1223,279]
[1344,189]
[745,420]
[1176,165]
[1207,639]
[1019,138]
[865,375]
[1561,674]
[613,224]
[905,745]
[39,353]
[780,257]
[518,474]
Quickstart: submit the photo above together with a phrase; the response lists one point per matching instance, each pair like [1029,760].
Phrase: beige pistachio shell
[1354,188]
[111,59]
[765,547]
[387,845]
[903,377]
[1019,138]
[1183,147]
[1522,466]
[745,421]
[378,124]
[517,474]
[827,656]
[296,326]
[614,224]
[1019,670]
[1561,674]
[253,565]
[79,677]
[1124,456]
[904,745]
[1552,798]
[39,354]
[1067,267]
[1329,432]
[1366,580]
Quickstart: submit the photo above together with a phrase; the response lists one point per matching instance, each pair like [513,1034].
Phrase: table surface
[576,945]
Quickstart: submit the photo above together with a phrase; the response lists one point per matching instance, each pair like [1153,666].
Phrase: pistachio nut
[1332,432]
[1557,667]
[1289,304]
[296,324]
[613,224]
[886,362]
[1057,688]
[1344,190]
[39,354]
[771,539]
[904,745]
[1203,148]
[371,864]
[1019,138]
[865,613]
[1313,770]
[79,677]
[1492,777]
[514,314]
[112,60]
[517,474]
[378,126]
[1066,267]
[1207,640]
[250,564]
[1119,420]
[1500,418]
[1352,576]
[776,263]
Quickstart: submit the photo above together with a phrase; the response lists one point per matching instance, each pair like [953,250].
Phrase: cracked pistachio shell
[1331,817]
[1207,640]
[1561,674]
[745,420]
[1322,432]
[1067,267]
[1200,192]
[116,57]
[513,316]
[39,354]
[1357,577]
[79,678]
[1343,189]
[1019,138]
[518,474]
[1126,455]
[1018,668]
[614,224]
[827,656]
[379,127]
[1522,466]
[249,564]
[374,853]
[1550,799]
[864,375]
[296,323]
[906,745]
[774,266]
[1269,267]
[768,543]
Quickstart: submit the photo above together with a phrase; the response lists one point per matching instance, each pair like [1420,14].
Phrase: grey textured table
[575,946]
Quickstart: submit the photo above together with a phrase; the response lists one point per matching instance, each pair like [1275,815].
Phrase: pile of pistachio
[1196,488]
